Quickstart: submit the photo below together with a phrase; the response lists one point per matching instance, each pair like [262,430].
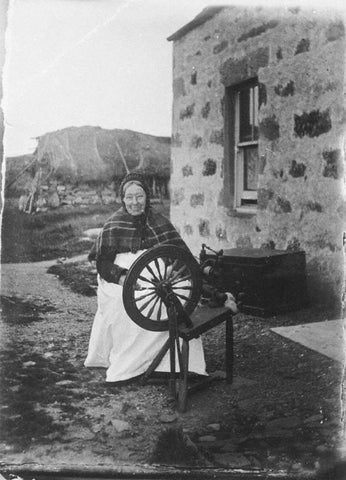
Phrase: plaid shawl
[123,232]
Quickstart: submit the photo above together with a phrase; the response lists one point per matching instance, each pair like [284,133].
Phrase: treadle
[203,383]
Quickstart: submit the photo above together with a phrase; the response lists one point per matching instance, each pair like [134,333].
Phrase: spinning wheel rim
[190,296]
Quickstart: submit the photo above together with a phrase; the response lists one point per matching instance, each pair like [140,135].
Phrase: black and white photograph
[173,239]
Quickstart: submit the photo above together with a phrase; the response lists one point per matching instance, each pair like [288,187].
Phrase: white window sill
[246,210]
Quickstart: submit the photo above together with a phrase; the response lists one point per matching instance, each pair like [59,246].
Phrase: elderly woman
[116,342]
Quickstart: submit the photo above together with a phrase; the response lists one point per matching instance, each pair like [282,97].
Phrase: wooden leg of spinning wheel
[229,349]
[172,330]
[155,363]
[183,385]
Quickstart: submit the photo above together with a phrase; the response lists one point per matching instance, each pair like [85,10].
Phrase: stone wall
[298,57]
[59,195]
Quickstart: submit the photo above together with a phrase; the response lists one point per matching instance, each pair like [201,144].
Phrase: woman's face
[135,199]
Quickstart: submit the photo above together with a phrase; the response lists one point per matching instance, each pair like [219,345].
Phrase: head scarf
[124,232]
[139,179]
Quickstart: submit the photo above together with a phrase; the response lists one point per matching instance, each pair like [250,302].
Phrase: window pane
[245,129]
[248,114]
[255,112]
[250,168]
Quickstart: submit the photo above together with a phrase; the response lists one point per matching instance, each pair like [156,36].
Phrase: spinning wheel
[163,277]
[160,292]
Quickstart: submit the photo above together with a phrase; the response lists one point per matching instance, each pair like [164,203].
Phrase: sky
[104,63]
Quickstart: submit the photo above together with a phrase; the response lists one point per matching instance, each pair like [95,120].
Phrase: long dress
[120,345]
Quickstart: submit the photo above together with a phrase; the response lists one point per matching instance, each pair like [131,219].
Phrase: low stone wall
[59,195]
[54,196]
[85,196]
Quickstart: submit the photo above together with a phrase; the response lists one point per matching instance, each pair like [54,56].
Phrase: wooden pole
[20,173]
[122,157]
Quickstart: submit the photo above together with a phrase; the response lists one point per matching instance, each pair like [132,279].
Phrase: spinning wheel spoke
[151,271]
[176,273]
[173,267]
[186,287]
[144,306]
[144,279]
[182,279]
[165,260]
[182,296]
[175,263]
[149,314]
[158,268]
[144,296]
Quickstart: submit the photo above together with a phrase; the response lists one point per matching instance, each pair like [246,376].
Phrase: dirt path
[31,280]
[73,416]
[281,413]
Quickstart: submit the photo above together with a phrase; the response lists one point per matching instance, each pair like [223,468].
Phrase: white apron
[120,345]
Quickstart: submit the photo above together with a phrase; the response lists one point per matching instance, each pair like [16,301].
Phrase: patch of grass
[53,234]
[48,235]
[15,311]
[174,448]
[80,277]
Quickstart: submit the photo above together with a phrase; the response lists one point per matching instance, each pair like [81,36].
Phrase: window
[245,135]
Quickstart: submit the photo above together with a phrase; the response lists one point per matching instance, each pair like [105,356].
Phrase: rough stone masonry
[297,57]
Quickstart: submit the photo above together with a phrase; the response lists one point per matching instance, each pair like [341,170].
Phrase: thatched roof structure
[91,154]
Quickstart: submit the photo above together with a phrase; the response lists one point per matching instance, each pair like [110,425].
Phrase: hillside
[90,155]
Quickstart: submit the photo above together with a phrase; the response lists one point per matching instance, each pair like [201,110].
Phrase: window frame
[243,200]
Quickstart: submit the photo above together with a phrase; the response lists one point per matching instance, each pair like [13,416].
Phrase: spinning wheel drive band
[162,269]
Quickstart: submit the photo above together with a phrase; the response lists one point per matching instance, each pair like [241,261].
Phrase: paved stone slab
[326,337]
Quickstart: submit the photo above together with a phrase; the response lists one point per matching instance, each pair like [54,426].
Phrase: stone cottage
[258,135]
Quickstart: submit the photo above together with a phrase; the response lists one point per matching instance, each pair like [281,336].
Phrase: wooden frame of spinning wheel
[162,287]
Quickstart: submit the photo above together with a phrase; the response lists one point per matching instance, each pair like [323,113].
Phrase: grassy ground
[53,234]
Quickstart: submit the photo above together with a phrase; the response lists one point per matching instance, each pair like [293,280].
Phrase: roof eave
[206,14]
